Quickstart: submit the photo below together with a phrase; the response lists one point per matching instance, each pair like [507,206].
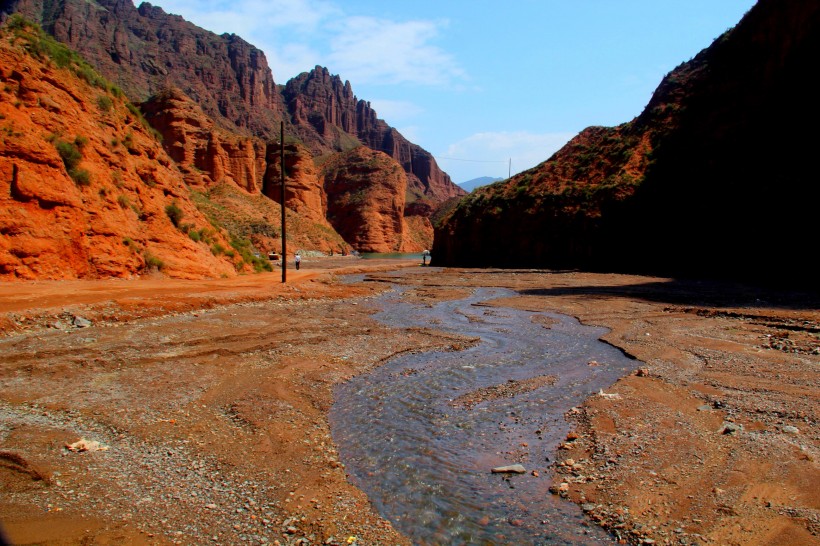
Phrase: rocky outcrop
[145,50]
[214,100]
[366,201]
[711,179]
[304,190]
[86,190]
[207,153]
[325,113]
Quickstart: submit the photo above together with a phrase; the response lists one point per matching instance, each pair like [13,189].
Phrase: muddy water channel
[421,434]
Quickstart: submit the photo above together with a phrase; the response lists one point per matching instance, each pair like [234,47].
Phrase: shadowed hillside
[715,177]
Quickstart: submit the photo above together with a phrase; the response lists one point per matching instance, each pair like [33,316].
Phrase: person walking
[298,260]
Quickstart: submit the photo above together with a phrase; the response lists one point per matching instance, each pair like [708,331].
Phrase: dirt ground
[160,411]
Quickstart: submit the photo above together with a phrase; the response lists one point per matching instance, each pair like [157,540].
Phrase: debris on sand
[83,445]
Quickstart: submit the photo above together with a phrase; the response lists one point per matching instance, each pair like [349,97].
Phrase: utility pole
[282,201]
[509,169]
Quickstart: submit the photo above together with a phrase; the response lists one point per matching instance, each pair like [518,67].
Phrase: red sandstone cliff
[304,191]
[195,143]
[145,50]
[86,191]
[212,98]
[363,184]
[325,113]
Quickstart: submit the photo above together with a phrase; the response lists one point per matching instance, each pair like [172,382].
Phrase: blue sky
[488,89]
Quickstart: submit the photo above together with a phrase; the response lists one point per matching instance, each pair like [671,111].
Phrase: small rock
[788,429]
[510,469]
[81,322]
[731,428]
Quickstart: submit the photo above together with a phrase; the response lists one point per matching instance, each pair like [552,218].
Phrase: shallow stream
[420,436]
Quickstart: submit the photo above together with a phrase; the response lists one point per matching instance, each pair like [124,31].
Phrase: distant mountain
[470,185]
[717,176]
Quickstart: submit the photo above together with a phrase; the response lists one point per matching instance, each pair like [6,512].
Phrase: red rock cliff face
[366,201]
[85,189]
[710,179]
[195,143]
[145,50]
[304,191]
[323,103]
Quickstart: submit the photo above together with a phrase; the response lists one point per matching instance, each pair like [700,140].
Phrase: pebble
[81,322]
[513,469]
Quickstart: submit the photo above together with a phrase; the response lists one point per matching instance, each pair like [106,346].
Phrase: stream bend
[421,433]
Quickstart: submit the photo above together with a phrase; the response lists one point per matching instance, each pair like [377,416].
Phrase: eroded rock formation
[146,51]
[86,191]
[304,191]
[363,183]
[195,143]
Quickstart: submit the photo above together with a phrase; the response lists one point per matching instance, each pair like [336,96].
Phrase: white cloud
[393,111]
[410,132]
[499,154]
[252,17]
[290,60]
[380,51]
[296,35]
[523,149]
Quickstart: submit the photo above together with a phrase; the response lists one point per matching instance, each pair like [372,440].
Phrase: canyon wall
[715,177]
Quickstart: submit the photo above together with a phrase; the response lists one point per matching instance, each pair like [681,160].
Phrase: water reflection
[420,436]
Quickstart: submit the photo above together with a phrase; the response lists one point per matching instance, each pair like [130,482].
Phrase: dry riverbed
[203,406]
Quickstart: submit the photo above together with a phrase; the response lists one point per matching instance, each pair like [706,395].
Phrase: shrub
[81,177]
[174,213]
[152,262]
[128,142]
[194,235]
[123,201]
[80,142]
[104,103]
[70,154]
